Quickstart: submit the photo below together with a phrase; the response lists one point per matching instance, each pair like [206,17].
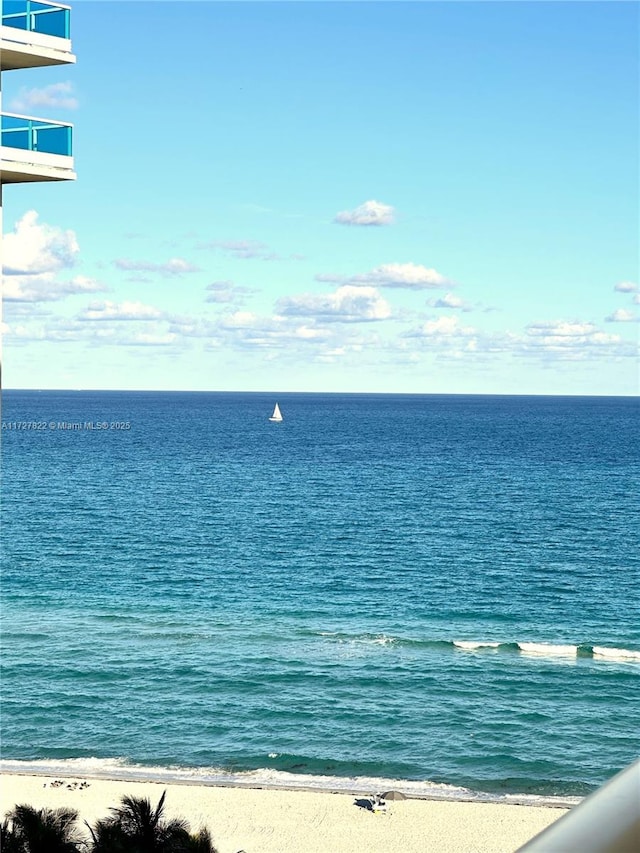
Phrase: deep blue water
[348,593]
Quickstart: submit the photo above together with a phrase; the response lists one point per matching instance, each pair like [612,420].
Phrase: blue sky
[415,197]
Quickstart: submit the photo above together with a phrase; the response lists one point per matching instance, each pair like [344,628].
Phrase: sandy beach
[264,820]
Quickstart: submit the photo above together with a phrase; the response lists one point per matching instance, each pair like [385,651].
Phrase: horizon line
[324,393]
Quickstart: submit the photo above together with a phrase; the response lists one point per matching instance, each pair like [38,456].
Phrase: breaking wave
[120,769]
[543,650]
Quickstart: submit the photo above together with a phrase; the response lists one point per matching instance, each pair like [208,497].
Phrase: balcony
[34,34]
[35,149]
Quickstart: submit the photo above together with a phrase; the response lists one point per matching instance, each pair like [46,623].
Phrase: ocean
[439,593]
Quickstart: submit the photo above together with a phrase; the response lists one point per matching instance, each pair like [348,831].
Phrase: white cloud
[242,249]
[226,291]
[143,339]
[307,333]
[172,267]
[442,327]
[408,276]
[119,311]
[369,213]
[64,330]
[247,330]
[334,353]
[46,288]
[569,338]
[449,300]
[239,320]
[192,327]
[412,276]
[100,325]
[82,284]
[25,310]
[347,304]
[548,341]
[56,95]
[626,287]
[561,329]
[32,248]
[622,315]
[331,278]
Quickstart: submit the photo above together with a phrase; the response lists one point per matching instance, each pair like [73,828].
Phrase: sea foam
[550,649]
[120,769]
[616,654]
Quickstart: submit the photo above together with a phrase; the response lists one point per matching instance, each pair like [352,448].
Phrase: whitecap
[383,640]
[615,654]
[545,649]
[471,645]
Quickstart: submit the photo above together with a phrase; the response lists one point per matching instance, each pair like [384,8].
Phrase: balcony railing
[31,134]
[49,19]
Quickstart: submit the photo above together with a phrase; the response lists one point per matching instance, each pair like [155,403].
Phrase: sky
[420,197]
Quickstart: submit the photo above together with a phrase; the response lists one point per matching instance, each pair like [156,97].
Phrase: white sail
[277,415]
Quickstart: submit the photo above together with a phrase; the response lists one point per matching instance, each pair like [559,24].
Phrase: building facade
[34,34]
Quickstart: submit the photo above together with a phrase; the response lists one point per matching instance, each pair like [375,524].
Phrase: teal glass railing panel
[49,19]
[36,135]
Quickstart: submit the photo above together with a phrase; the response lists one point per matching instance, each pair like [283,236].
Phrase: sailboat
[277,415]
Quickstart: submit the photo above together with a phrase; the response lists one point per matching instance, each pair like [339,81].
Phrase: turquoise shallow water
[438,590]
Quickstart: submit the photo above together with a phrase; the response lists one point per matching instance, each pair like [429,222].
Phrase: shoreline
[267,819]
[564,803]
[352,786]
